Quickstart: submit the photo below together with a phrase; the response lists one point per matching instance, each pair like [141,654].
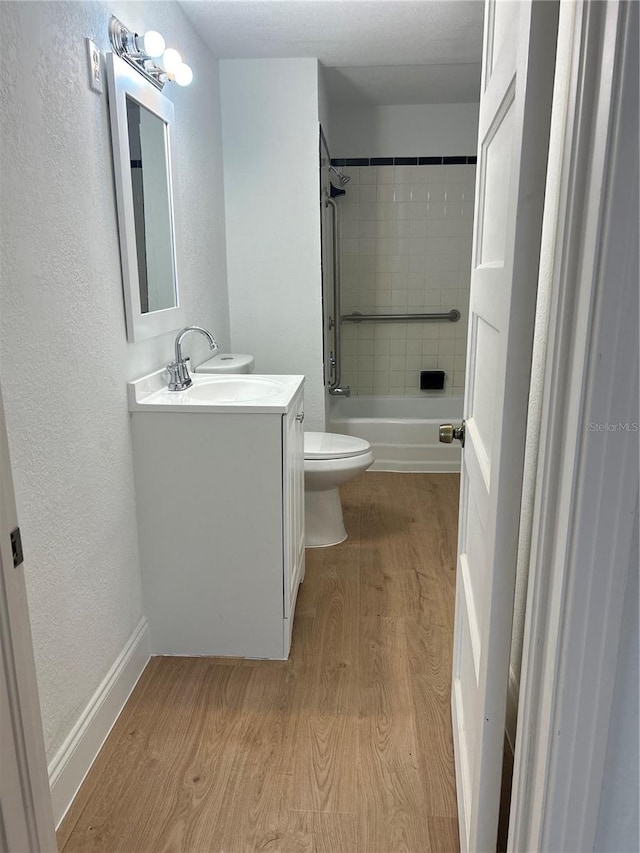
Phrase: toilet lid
[330,445]
[227,362]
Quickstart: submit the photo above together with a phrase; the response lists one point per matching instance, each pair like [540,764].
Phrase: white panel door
[26,817]
[515,106]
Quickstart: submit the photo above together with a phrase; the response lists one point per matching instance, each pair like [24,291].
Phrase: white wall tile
[457,174]
[367,211]
[420,192]
[368,193]
[418,227]
[367,228]
[350,229]
[406,247]
[368,175]
[436,194]
[402,192]
[435,210]
[403,175]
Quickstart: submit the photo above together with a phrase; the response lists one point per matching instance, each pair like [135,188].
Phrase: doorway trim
[587,480]
[24,771]
[558,610]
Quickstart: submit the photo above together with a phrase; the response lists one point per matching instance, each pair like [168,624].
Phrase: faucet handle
[174,375]
[179,378]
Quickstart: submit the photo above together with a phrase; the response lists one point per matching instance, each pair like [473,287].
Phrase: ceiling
[377,51]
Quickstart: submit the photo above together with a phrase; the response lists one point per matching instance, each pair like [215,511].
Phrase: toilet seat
[330,445]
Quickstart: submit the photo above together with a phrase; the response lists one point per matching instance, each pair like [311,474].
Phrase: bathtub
[402,431]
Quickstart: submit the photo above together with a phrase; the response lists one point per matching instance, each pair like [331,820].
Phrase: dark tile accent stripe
[136,164]
[403,161]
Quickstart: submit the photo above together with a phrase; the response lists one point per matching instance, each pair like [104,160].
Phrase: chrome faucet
[179,378]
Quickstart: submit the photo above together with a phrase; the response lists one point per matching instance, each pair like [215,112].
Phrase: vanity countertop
[245,393]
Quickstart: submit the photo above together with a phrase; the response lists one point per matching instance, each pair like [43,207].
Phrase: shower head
[342,179]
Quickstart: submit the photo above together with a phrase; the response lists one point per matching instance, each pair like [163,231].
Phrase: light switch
[96,67]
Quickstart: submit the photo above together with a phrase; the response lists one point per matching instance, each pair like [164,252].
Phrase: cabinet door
[293,487]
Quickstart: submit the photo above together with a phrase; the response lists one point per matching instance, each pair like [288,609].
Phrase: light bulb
[153,43]
[171,60]
[183,74]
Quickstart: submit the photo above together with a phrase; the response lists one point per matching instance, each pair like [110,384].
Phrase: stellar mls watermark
[628,426]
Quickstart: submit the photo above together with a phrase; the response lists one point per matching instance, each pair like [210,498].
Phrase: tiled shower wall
[406,248]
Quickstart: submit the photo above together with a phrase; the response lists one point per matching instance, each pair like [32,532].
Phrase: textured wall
[404,131]
[64,355]
[270,138]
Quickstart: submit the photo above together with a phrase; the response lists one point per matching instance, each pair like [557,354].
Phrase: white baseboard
[512,709]
[73,760]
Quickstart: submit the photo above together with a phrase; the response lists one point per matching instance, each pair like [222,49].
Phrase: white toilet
[330,460]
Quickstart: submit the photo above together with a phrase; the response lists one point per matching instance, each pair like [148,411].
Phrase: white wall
[270,145]
[429,130]
[324,106]
[64,357]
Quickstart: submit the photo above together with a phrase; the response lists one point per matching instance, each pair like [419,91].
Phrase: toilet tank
[227,362]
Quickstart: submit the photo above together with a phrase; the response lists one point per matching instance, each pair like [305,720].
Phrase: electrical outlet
[96,67]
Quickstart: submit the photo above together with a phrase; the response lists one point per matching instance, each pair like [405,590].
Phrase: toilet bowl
[330,460]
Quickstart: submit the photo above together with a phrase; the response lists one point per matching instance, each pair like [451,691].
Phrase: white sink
[246,393]
[237,389]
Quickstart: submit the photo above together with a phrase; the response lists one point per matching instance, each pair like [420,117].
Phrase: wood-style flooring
[344,748]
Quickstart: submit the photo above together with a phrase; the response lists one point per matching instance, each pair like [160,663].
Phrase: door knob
[448,432]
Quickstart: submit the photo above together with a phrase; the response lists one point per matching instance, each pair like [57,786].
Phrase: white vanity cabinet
[220,503]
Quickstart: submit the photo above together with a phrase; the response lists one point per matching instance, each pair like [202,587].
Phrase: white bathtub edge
[402,444]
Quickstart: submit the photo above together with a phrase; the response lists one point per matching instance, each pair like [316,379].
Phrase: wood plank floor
[344,748]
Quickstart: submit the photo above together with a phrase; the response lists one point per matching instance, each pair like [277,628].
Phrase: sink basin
[215,394]
[231,390]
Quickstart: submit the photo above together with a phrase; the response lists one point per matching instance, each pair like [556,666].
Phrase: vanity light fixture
[149,55]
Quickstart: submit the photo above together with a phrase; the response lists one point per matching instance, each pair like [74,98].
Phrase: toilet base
[324,525]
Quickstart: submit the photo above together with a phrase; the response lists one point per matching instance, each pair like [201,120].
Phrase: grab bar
[335,357]
[453,316]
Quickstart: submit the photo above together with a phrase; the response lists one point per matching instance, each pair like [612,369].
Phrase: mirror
[141,119]
[151,208]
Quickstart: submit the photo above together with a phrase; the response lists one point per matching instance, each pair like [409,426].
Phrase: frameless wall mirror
[141,118]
